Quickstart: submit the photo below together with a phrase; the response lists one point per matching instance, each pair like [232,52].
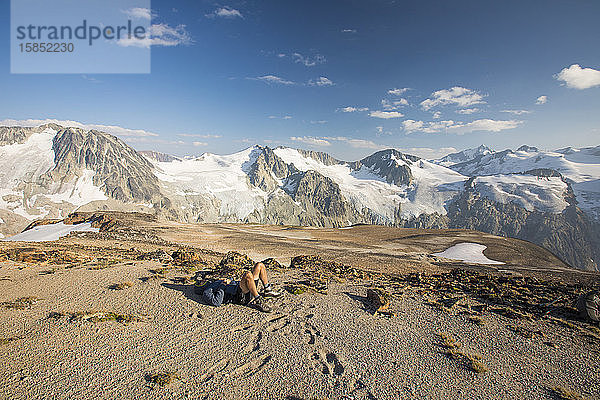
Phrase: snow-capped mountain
[550,198]
[463,156]
[579,167]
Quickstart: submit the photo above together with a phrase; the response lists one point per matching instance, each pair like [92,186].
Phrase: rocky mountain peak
[390,164]
[158,156]
[528,148]
[122,172]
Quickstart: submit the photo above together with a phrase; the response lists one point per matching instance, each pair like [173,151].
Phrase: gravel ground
[312,346]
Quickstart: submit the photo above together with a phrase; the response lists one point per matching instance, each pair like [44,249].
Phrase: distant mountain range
[549,198]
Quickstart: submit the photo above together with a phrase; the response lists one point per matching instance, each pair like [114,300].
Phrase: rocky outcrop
[321,201]
[121,172]
[19,134]
[267,169]
[527,148]
[320,156]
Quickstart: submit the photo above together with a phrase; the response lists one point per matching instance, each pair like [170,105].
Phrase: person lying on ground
[244,292]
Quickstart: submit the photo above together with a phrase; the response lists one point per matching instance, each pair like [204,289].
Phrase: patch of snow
[78,193]
[24,162]
[28,160]
[46,233]
[1,221]
[527,191]
[223,177]
[467,252]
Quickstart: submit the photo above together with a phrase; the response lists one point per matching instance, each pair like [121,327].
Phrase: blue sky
[345,77]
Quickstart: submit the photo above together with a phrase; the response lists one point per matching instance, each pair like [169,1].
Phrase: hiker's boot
[270,292]
[261,304]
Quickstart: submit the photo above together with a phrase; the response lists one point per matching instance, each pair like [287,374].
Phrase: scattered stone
[379,299]
[515,297]
[191,260]
[477,320]
[151,278]
[159,271]
[588,306]
[272,264]
[551,344]
[328,268]
[525,332]
[157,255]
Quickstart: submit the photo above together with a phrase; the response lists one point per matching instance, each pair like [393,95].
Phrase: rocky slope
[550,198]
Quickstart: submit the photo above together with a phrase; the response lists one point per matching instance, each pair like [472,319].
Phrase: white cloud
[283,117]
[322,81]
[576,77]
[353,109]
[385,114]
[460,96]
[356,143]
[393,105]
[363,144]
[273,79]
[199,136]
[154,140]
[517,112]
[381,131]
[311,141]
[468,111]
[437,115]
[225,12]
[489,125]
[138,13]
[198,144]
[410,125]
[112,129]
[459,128]
[307,60]
[159,35]
[349,31]
[398,92]
[541,100]
[322,121]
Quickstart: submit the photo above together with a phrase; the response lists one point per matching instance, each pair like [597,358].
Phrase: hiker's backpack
[588,305]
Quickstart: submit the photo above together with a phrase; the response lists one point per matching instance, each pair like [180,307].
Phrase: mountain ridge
[283,185]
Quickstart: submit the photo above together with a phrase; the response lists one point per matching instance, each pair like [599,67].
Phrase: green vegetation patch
[470,361]
[121,286]
[161,378]
[565,394]
[4,341]
[96,316]
[21,303]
